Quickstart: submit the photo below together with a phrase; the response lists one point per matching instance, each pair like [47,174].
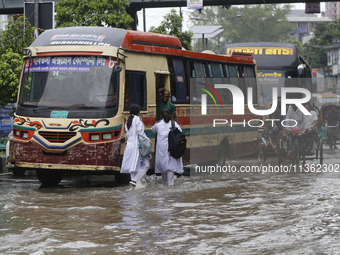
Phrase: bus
[77,84]
[278,65]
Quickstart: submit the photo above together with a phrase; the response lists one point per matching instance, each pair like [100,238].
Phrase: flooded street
[227,213]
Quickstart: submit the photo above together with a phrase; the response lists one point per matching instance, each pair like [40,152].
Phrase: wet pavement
[217,213]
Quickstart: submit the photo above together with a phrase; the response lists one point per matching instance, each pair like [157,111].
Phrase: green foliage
[10,70]
[17,35]
[251,23]
[172,25]
[324,36]
[303,50]
[93,13]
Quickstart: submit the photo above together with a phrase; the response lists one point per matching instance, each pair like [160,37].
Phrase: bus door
[178,81]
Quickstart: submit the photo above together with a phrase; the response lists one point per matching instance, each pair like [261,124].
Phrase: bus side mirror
[301,69]
[117,68]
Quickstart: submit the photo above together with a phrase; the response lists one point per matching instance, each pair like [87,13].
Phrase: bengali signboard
[312,7]
[195,4]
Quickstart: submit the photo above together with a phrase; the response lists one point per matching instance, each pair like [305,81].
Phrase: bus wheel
[122,178]
[223,153]
[18,171]
[49,177]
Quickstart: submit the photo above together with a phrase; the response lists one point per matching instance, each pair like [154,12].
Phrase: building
[333,64]
[304,24]
[332,10]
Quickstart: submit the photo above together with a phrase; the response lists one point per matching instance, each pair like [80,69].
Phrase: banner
[195,4]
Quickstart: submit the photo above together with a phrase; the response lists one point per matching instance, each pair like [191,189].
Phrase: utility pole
[36,13]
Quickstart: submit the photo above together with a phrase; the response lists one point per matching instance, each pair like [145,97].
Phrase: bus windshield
[269,79]
[79,82]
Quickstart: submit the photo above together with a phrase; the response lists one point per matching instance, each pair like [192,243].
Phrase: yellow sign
[262,74]
[262,50]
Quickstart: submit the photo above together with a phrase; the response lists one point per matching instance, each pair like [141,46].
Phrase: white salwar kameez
[164,163]
[133,163]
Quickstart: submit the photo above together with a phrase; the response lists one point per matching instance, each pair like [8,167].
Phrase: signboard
[320,80]
[312,7]
[262,50]
[195,4]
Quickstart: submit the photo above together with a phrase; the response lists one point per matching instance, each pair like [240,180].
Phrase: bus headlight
[107,136]
[24,134]
[16,133]
[94,137]
[104,136]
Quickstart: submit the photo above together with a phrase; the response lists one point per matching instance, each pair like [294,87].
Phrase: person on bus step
[332,120]
[163,96]
[164,163]
[133,163]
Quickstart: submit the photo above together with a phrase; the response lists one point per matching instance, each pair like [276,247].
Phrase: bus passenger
[164,163]
[133,163]
[294,113]
[163,96]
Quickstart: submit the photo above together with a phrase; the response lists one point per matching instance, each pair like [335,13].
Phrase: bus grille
[57,137]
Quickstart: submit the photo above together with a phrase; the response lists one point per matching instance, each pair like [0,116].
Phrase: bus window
[233,72]
[177,81]
[135,90]
[209,71]
[216,70]
[192,70]
[226,71]
[250,81]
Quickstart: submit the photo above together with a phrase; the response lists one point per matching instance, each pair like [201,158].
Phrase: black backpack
[177,142]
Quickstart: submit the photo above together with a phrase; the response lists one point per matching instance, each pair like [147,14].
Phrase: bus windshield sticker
[68,64]
[87,37]
[59,114]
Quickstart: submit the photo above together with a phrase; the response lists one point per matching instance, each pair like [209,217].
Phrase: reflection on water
[202,214]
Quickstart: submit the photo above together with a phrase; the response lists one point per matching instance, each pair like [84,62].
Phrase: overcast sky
[154,16]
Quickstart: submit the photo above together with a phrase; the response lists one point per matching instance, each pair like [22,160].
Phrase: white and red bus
[77,84]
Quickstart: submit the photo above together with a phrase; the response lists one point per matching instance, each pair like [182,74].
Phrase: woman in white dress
[133,163]
[164,163]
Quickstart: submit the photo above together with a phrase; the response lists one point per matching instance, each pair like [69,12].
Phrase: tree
[325,35]
[251,23]
[172,25]
[10,70]
[93,13]
[17,35]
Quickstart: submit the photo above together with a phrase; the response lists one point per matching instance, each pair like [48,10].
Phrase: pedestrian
[163,96]
[332,120]
[164,163]
[133,163]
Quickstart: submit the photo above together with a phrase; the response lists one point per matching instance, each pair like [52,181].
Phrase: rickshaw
[323,111]
[292,146]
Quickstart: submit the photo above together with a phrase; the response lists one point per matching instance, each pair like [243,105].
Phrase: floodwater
[228,213]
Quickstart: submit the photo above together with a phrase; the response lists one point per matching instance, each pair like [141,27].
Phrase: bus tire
[49,177]
[122,178]
[18,171]
[223,153]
